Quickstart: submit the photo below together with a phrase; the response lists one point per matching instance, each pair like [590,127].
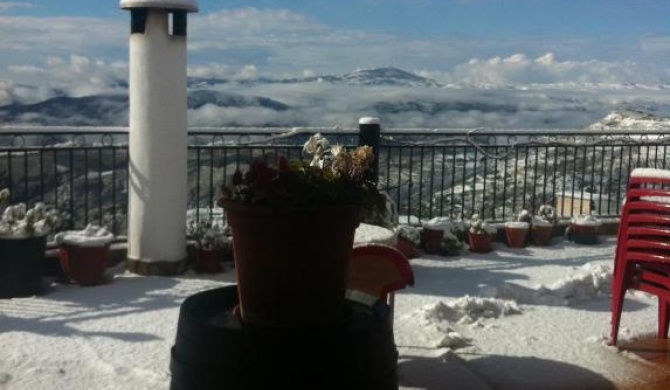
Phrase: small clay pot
[516,234]
[479,242]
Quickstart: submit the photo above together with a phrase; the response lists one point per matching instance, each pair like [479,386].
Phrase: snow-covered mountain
[112,110]
[631,120]
[200,98]
[96,110]
[399,98]
[387,76]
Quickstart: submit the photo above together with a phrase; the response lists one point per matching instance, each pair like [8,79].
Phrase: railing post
[370,135]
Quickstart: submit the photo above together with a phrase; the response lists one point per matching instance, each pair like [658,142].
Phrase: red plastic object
[642,259]
[378,269]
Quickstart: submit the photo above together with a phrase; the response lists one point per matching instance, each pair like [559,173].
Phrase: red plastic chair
[648,184]
[642,259]
[376,271]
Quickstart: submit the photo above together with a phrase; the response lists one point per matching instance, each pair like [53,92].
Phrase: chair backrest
[377,270]
[644,225]
[649,182]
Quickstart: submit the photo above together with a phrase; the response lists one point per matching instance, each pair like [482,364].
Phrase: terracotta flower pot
[479,242]
[516,234]
[584,234]
[406,247]
[84,265]
[542,234]
[291,266]
[209,261]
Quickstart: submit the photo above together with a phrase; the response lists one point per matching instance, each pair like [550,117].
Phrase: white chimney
[158,136]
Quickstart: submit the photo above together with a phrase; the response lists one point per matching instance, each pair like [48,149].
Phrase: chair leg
[619,287]
[663,317]
[390,299]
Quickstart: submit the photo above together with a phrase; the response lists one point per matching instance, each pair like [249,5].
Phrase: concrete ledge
[118,254]
[157,268]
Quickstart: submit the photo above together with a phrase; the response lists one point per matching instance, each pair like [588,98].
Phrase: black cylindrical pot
[215,350]
[22,266]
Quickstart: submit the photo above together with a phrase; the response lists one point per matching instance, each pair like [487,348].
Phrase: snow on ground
[533,318]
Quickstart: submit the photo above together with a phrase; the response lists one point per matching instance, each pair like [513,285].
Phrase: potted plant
[479,237]
[516,232]
[409,238]
[543,225]
[450,245]
[584,229]
[84,254]
[440,236]
[432,233]
[23,236]
[293,226]
[212,244]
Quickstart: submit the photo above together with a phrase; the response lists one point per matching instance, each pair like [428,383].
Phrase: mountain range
[398,97]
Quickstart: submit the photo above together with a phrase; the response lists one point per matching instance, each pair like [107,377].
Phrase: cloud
[24,94]
[38,34]
[75,76]
[252,21]
[519,69]
[329,105]
[6,6]
[251,35]
[215,70]
[210,70]
[88,55]
[656,43]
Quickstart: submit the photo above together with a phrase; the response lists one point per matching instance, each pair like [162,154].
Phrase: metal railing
[444,172]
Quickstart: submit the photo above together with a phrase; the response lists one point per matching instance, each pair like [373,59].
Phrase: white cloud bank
[46,56]
[519,69]
[278,42]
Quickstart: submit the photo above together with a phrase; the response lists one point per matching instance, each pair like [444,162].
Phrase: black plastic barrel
[22,266]
[215,350]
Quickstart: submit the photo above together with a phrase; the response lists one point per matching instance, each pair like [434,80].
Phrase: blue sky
[508,18]
[79,45]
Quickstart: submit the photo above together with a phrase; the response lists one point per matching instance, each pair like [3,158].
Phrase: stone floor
[657,352]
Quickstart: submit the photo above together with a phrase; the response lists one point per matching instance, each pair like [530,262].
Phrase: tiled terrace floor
[657,352]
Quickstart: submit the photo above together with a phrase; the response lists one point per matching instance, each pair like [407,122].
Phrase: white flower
[20,229]
[17,220]
[8,215]
[337,149]
[207,235]
[41,228]
[410,233]
[40,208]
[316,144]
[478,225]
[4,195]
[31,216]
